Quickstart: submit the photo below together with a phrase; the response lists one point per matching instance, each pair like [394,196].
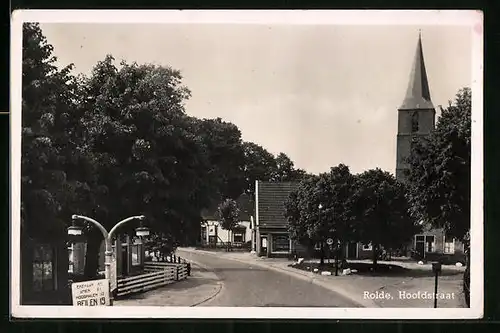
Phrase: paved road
[249,285]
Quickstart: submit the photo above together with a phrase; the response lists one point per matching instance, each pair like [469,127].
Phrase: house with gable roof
[214,235]
[271,236]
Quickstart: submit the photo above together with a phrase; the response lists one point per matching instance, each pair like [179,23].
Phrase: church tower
[416,116]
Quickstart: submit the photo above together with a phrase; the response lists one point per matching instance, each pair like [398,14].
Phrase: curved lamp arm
[94,222]
[138,217]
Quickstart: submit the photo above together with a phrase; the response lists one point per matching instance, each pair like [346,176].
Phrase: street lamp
[75,230]
[321,263]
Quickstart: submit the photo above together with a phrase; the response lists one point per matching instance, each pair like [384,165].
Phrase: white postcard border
[474,19]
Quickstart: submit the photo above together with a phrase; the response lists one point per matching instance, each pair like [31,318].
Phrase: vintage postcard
[247,164]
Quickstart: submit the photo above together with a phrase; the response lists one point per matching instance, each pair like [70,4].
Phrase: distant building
[416,119]
[272,238]
[213,234]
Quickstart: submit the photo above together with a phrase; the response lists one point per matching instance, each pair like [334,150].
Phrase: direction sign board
[329,241]
[90,293]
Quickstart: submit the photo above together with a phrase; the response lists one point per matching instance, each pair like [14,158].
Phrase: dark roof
[271,198]
[244,202]
[417,94]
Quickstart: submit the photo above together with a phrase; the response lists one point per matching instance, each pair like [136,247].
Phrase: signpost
[91,293]
[436,268]
[329,241]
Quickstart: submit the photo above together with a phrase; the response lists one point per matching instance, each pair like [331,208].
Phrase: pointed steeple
[417,94]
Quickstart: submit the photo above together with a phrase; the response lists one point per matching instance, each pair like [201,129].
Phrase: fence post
[179,260]
[173,257]
[188,266]
[176,273]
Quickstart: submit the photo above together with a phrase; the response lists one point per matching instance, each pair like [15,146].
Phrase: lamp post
[74,230]
[320,207]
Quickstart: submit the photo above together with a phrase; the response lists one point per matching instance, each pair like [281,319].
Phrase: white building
[213,234]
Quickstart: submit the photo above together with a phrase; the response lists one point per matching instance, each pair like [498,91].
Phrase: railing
[158,274]
[145,282]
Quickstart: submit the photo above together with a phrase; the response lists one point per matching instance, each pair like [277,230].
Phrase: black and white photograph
[247,164]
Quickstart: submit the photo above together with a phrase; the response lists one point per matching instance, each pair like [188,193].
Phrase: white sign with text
[91,293]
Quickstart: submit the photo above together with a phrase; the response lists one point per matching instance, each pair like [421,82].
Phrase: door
[420,246]
[263,245]
[352,252]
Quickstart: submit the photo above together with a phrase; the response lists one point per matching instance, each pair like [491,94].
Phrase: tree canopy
[317,210]
[381,211]
[118,142]
[440,167]
[50,97]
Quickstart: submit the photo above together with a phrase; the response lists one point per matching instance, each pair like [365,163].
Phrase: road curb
[305,277]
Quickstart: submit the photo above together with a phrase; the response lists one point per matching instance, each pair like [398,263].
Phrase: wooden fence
[158,274]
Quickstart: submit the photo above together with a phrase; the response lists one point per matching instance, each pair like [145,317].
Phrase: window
[367,247]
[238,236]
[414,122]
[449,245]
[136,254]
[43,268]
[430,245]
[281,243]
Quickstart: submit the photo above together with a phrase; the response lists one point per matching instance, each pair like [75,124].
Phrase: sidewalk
[198,288]
[362,289]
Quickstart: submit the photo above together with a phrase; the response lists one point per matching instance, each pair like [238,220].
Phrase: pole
[108,257]
[435,289]
[336,260]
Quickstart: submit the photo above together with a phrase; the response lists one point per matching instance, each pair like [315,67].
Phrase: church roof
[417,94]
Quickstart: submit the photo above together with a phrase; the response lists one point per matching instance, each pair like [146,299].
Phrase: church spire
[417,94]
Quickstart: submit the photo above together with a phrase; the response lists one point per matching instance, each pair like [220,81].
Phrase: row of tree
[370,207]
[117,143]
[374,208]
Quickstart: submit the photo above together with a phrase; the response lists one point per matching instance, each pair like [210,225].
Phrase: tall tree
[381,211]
[301,213]
[440,172]
[318,210]
[259,165]
[285,170]
[228,214]
[225,151]
[50,142]
[150,160]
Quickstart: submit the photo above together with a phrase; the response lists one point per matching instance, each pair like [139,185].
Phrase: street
[249,285]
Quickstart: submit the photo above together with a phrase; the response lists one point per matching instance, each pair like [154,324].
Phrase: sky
[322,94]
